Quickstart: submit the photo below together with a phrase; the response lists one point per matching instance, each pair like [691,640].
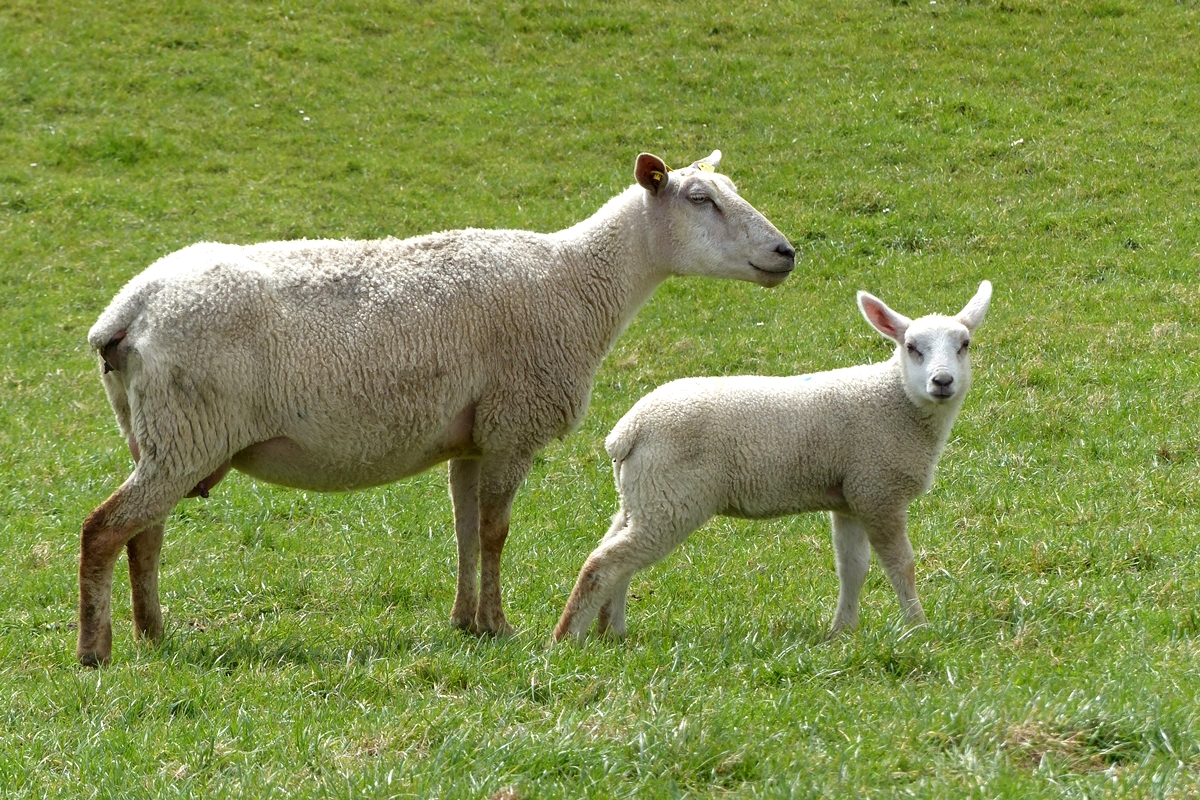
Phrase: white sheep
[337,365]
[860,442]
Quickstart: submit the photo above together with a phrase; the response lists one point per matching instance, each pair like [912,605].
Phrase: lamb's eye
[965,345]
[913,351]
[700,199]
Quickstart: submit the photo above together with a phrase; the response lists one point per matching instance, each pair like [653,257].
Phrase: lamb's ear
[882,318]
[651,173]
[975,309]
[709,163]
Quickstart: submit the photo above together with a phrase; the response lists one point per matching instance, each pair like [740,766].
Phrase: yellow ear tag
[704,166]
[658,176]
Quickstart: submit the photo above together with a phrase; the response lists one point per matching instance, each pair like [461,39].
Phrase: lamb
[860,442]
[338,365]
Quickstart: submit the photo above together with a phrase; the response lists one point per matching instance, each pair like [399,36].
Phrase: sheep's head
[703,227]
[932,350]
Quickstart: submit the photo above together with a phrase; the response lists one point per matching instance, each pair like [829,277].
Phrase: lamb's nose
[942,379]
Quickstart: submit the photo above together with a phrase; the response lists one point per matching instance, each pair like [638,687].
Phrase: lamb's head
[932,350]
[701,226]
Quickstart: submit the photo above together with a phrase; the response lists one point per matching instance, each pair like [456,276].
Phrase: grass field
[909,148]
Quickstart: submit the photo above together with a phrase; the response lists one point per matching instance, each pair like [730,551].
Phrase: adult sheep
[338,365]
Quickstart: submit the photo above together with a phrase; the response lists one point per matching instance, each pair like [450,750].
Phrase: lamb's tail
[620,443]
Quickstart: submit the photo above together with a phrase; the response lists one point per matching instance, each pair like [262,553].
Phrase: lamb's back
[764,446]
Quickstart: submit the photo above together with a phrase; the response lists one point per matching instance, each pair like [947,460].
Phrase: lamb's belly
[828,498]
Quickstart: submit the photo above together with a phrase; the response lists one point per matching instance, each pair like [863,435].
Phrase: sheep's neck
[610,270]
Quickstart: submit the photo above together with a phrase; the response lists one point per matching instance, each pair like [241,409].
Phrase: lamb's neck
[608,265]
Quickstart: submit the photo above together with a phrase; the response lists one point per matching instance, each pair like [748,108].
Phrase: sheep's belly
[281,461]
[288,463]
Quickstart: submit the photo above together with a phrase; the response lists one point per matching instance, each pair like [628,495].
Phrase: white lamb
[336,365]
[861,443]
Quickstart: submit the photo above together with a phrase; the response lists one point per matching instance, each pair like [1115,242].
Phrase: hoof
[92,659]
[495,628]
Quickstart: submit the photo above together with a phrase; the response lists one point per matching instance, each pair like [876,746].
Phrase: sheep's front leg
[889,538]
[464,492]
[852,554]
[144,551]
[498,483]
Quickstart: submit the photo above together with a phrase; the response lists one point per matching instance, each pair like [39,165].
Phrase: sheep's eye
[913,351]
[700,199]
[965,345]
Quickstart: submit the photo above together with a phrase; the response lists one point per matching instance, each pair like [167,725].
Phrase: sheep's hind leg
[852,555]
[498,484]
[464,492]
[144,550]
[137,506]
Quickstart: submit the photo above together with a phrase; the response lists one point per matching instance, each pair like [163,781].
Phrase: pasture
[908,148]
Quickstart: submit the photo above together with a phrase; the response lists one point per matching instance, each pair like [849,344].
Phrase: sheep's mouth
[783,271]
[941,393]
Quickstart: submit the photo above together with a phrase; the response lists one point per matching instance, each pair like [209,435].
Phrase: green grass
[909,148]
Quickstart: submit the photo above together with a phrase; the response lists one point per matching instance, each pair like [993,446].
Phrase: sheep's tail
[110,339]
[108,336]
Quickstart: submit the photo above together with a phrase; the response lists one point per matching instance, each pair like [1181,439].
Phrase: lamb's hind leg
[610,621]
[464,492]
[609,568]
[139,505]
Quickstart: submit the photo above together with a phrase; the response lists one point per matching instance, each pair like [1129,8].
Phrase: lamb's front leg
[852,554]
[464,492]
[889,537]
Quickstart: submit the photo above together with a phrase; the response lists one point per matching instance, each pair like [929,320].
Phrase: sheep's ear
[882,318]
[974,311]
[651,173]
[709,163]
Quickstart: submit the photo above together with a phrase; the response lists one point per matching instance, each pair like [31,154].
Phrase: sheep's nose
[943,383]
[786,250]
[943,379]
